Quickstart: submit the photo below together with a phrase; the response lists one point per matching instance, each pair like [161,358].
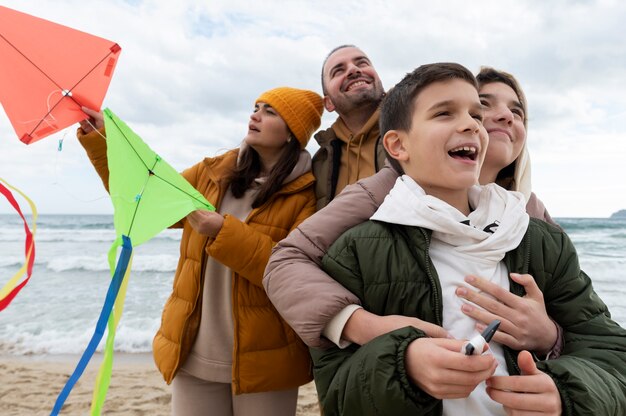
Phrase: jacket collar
[369,130]
[340,131]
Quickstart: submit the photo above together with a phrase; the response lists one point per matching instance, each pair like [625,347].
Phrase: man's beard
[366,98]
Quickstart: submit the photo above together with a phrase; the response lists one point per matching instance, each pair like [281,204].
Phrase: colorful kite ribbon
[118,285]
[148,196]
[104,375]
[12,288]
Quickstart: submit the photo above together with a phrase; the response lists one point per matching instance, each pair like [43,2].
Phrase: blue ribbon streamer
[114,288]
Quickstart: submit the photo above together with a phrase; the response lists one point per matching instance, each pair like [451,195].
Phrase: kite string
[88,120]
[48,114]
[48,105]
[57,176]
[56,164]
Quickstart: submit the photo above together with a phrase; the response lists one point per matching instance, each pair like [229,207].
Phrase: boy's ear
[328,104]
[394,142]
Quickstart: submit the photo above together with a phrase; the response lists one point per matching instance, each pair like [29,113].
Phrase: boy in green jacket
[415,252]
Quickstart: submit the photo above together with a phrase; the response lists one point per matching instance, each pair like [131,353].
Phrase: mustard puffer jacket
[267,354]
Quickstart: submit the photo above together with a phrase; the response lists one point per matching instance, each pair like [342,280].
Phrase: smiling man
[351,148]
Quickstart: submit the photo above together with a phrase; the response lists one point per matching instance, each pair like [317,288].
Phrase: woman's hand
[206,222]
[532,393]
[96,119]
[525,325]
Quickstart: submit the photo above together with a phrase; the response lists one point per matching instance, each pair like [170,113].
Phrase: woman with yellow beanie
[221,343]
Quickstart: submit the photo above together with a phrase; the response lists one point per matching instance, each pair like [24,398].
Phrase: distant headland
[619,214]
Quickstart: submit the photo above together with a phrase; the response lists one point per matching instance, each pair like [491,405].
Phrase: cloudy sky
[190,71]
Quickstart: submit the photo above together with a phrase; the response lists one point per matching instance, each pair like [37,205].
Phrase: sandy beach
[29,385]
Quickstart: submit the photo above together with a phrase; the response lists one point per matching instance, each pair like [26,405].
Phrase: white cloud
[189,73]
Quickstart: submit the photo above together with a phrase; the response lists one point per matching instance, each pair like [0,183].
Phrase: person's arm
[92,136]
[370,379]
[293,273]
[363,326]
[591,372]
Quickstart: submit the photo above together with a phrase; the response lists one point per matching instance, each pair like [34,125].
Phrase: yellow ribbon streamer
[103,378]
[13,282]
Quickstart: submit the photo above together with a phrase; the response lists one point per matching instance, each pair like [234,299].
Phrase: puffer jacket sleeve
[96,147]
[192,174]
[370,379]
[237,237]
[591,372]
[294,271]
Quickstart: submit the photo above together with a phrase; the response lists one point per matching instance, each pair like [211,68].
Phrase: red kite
[48,72]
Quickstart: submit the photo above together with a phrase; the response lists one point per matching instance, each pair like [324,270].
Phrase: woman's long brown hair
[488,75]
[249,168]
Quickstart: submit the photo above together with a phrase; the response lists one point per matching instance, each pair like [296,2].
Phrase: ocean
[57,310]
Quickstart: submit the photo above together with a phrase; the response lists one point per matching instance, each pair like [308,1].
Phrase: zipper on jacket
[527,257]
[335,163]
[525,269]
[509,356]
[433,283]
[376,146]
[235,299]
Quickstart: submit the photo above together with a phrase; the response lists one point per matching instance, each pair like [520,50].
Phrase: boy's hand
[534,392]
[437,367]
[364,326]
[96,119]
[525,323]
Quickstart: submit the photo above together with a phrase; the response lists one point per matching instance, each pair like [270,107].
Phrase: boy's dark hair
[488,75]
[396,111]
[249,167]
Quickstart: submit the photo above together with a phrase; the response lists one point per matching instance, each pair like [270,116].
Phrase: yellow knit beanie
[301,110]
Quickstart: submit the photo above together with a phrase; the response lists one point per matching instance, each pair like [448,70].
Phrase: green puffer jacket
[388,268]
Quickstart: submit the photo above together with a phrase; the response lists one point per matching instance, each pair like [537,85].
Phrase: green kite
[148,196]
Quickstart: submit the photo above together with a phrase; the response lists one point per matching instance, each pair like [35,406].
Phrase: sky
[190,71]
